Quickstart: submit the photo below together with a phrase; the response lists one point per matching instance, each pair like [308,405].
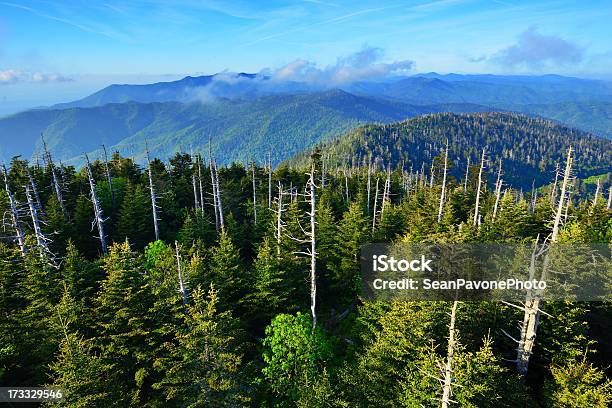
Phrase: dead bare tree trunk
[182,288]
[214,191]
[19,234]
[199,161]
[447,390]
[597,190]
[476,211]
[323,173]
[369,181]
[269,179]
[41,240]
[553,192]
[346,188]
[153,197]
[609,197]
[386,193]
[99,217]
[254,193]
[443,192]
[467,171]
[534,196]
[56,183]
[313,252]
[375,205]
[219,201]
[564,186]
[195,192]
[34,190]
[431,176]
[279,218]
[498,187]
[533,304]
[109,178]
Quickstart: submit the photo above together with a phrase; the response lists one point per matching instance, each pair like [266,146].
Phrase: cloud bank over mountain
[12,76]
[534,50]
[364,64]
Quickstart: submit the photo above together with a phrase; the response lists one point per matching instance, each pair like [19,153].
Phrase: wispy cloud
[535,50]
[364,64]
[89,28]
[12,76]
[332,20]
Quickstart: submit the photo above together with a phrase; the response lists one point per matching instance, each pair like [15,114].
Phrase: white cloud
[11,76]
[364,64]
[535,50]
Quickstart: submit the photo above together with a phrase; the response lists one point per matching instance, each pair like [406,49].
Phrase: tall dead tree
[269,179]
[154,206]
[534,196]
[99,216]
[447,383]
[14,208]
[346,187]
[498,187]
[214,190]
[443,192]
[195,192]
[182,287]
[553,191]
[41,240]
[323,173]
[609,197]
[280,224]
[533,303]
[597,190]
[369,185]
[199,161]
[214,177]
[476,221]
[311,197]
[431,175]
[254,193]
[34,190]
[375,206]
[467,171]
[56,182]
[109,178]
[386,198]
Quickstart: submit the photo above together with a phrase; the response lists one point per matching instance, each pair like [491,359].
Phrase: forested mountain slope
[239,129]
[530,147]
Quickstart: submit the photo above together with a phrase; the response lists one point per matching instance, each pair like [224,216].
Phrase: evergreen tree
[204,370]
[125,325]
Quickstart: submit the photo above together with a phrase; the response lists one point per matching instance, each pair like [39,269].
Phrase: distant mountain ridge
[499,91]
[239,129]
[245,115]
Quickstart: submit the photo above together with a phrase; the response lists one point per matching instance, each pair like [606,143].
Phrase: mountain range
[246,115]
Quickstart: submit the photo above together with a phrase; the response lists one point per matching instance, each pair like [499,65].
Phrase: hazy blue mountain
[492,90]
[423,89]
[595,117]
[239,129]
[183,90]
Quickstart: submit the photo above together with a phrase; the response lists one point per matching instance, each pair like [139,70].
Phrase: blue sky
[53,51]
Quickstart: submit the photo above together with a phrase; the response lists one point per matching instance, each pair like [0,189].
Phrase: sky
[55,51]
